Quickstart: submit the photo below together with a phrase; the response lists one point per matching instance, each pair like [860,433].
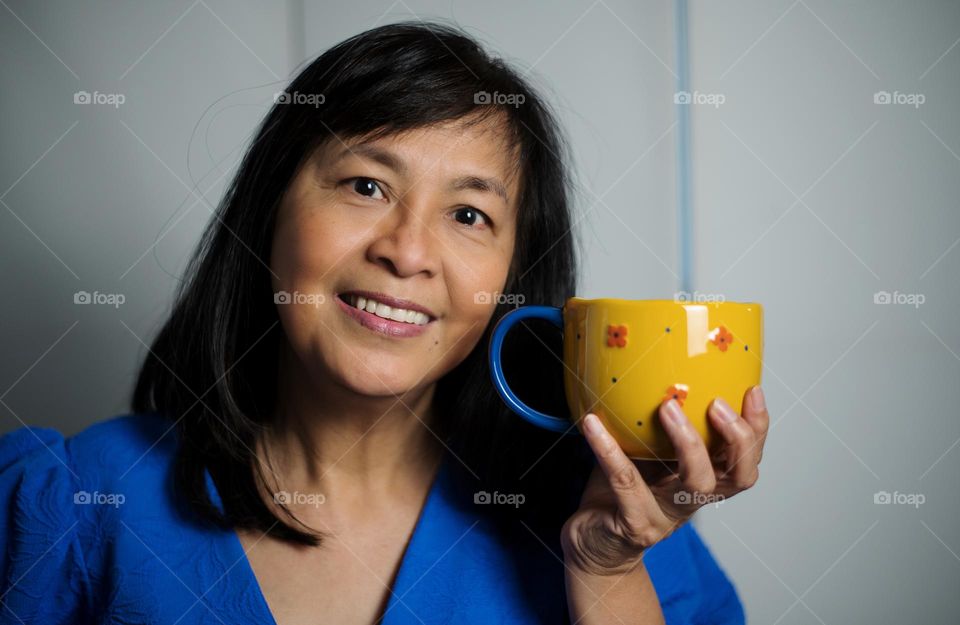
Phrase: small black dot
[746,347]
[578,335]
[668,329]
[614,379]
[639,422]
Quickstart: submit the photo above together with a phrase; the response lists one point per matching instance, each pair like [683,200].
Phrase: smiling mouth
[385,311]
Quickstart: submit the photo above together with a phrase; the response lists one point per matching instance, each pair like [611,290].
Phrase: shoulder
[92,528]
[103,446]
[42,472]
[126,447]
[47,479]
[50,529]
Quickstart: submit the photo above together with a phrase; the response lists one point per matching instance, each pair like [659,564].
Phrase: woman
[314,435]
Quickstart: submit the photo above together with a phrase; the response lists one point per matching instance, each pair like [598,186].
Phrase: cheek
[473,292]
[307,249]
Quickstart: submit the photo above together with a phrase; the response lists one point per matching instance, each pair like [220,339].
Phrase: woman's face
[426,217]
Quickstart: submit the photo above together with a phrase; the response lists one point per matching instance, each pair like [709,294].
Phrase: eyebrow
[390,160]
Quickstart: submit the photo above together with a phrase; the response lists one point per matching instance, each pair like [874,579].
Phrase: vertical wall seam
[296,35]
[683,191]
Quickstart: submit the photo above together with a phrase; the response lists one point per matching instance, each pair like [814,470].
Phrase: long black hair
[213,366]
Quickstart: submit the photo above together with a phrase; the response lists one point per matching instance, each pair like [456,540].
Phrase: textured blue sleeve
[43,578]
[691,586]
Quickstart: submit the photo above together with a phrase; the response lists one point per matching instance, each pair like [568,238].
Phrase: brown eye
[468,216]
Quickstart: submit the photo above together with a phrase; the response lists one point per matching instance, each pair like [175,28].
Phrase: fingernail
[591,423]
[756,396]
[724,411]
[675,414]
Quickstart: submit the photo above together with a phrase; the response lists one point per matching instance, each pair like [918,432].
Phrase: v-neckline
[237,555]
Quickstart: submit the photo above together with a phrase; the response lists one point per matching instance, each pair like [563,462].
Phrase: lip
[388,327]
[392,302]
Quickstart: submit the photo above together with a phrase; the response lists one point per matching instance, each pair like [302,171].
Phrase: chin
[377,380]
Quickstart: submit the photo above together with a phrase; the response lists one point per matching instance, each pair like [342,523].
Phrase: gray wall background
[809,195]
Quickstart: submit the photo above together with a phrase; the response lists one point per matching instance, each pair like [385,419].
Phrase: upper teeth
[382,310]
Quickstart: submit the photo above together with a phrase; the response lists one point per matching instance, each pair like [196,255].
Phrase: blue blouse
[91,534]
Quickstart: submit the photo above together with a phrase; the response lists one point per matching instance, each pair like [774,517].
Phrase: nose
[405,245]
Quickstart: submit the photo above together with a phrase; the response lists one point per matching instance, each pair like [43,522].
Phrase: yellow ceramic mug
[622,358]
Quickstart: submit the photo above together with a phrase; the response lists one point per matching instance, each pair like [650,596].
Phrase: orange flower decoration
[678,392]
[721,338]
[616,336]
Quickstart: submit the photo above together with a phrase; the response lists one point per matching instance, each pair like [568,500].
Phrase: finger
[632,494]
[739,438]
[695,469]
[755,414]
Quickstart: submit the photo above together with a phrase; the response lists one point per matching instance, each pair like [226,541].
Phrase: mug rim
[641,302]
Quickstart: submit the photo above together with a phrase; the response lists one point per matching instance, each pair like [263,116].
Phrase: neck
[329,439]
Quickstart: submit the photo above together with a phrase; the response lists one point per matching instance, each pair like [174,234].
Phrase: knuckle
[703,483]
[688,440]
[747,433]
[644,536]
[633,532]
[746,481]
[742,433]
[763,424]
[691,449]
[651,536]
[625,478]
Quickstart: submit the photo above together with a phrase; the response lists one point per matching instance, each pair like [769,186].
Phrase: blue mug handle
[555,316]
